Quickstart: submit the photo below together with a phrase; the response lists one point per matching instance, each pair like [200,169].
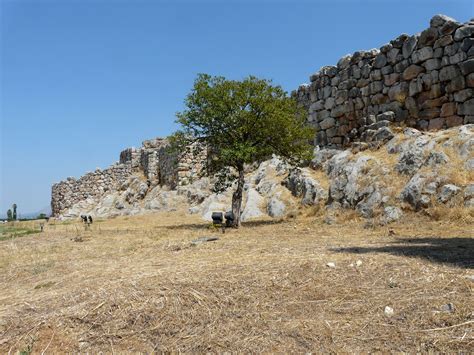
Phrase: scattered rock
[447,192]
[447,308]
[392,214]
[331,265]
[388,311]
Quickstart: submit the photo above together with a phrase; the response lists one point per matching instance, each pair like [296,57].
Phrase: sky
[82,80]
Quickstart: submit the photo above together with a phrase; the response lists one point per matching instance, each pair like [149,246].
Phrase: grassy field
[18,229]
[139,284]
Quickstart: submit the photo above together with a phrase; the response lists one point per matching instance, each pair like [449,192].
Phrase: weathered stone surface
[346,186]
[467,67]
[463,95]
[276,208]
[436,123]
[463,32]
[466,108]
[449,72]
[303,185]
[428,37]
[448,109]
[398,42]
[448,192]
[412,72]
[456,84]
[408,46]
[415,193]
[440,20]
[386,116]
[380,61]
[252,205]
[443,41]
[392,214]
[466,44]
[452,121]
[328,123]
[398,92]
[432,64]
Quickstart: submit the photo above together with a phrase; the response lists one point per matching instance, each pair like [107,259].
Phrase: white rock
[331,265]
[276,208]
[388,311]
[252,205]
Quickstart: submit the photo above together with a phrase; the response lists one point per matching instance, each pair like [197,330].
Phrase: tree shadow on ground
[187,226]
[258,223]
[454,251]
[208,225]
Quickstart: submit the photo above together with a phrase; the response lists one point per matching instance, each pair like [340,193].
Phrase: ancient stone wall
[191,164]
[424,81]
[155,160]
[92,185]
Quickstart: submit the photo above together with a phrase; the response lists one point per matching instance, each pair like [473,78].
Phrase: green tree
[9,215]
[243,122]
[14,211]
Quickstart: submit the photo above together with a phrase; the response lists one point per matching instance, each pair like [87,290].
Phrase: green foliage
[14,211]
[243,122]
[9,215]
[41,216]
[239,123]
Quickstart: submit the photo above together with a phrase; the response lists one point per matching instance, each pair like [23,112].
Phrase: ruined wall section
[155,161]
[426,80]
[192,164]
[92,185]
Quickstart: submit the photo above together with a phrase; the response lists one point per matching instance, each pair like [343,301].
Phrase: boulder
[301,184]
[447,192]
[276,208]
[391,214]
[252,205]
[413,192]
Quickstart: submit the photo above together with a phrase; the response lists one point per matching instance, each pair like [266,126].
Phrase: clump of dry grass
[456,214]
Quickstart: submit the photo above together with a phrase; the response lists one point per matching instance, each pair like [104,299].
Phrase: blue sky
[82,80]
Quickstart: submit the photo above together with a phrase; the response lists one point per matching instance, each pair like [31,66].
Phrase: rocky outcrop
[425,81]
[301,184]
[415,170]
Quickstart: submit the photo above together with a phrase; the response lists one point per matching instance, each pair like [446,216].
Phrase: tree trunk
[237,199]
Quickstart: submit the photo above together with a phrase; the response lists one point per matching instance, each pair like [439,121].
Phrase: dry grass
[137,284]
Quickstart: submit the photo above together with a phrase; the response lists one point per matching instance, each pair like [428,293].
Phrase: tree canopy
[242,122]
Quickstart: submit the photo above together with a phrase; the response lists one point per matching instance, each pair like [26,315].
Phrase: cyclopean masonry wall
[424,81]
[155,161]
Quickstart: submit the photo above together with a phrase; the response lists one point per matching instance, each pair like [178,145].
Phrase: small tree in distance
[14,211]
[9,215]
[243,122]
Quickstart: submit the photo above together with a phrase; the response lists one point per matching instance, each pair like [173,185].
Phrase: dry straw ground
[137,284]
